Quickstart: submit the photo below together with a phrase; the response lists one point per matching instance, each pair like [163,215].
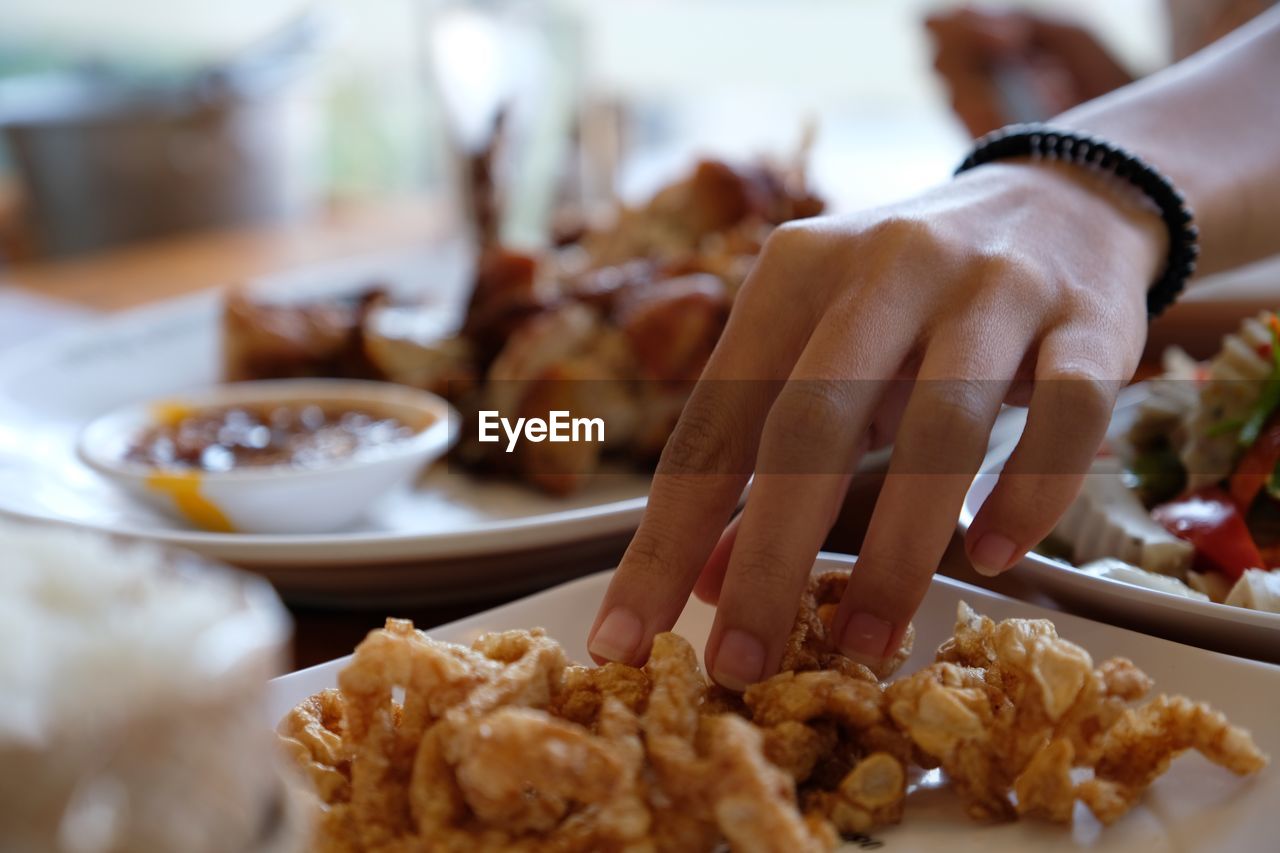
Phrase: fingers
[696,486]
[766,574]
[811,441]
[711,578]
[1071,407]
[880,434]
[704,467]
[940,444]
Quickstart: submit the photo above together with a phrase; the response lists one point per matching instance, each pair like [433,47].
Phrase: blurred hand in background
[1010,66]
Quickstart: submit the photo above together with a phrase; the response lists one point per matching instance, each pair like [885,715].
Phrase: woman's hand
[1013,277]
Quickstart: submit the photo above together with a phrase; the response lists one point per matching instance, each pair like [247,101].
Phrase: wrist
[1114,221]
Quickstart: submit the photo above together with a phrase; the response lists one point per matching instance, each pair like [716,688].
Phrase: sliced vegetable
[1269,399]
[1211,522]
[1263,520]
[1224,427]
[1273,482]
[1156,474]
[1270,350]
[1257,590]
[1119,570]
[1256,466]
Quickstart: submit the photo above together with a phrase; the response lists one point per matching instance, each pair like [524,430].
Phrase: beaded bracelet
[1045,142]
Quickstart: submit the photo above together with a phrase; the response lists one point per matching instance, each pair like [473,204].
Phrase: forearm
[1212,123]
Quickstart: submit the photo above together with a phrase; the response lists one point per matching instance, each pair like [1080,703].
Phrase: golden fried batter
[432,746]
[808,695]
[312,737]
[871,794]
[797,748]
[1140,746]
[583,690]
[1012,706]
[523,769]
[811,646]
[754,802]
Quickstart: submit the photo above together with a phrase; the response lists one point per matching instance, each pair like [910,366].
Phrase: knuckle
[958,405]
[896,574]
[789,244]
[767,568]
[900,233]
[1028,505]
[1005,264]
[1006,280]
[810,406]
[946,429]
[795,252]
[701,443]
[648,556]
[1080,300]
[1082,392]
[808,421]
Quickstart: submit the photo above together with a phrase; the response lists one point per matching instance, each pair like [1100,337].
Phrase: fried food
[618,323]
[312,737]
[503,745]
[1014,707]
[266,340]
[871,794]
[1142,743]
[583,691]
[811,645]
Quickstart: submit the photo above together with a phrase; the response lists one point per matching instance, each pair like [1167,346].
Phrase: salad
[1188,500]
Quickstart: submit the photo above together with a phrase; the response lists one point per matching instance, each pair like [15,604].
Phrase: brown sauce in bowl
[297,435]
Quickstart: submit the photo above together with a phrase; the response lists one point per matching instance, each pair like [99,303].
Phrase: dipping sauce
[298,435]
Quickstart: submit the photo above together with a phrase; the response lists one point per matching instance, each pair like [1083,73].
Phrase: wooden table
[148,273]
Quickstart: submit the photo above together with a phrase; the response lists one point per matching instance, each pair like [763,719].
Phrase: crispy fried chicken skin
[503,745]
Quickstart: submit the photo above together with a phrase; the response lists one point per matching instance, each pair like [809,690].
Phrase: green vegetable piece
[1268,400]
[1273,482]
[1156,475]
[1224,427]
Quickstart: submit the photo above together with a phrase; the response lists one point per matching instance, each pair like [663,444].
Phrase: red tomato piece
[1256,466]
[1210,520]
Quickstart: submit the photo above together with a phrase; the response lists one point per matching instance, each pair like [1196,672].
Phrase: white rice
[131,695]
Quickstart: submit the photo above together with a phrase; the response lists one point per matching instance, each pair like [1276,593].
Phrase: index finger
[704,467]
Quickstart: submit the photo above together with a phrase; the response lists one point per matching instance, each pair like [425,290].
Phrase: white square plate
[1195,806]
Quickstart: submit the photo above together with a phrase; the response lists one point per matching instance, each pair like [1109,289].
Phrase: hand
[1010,272]
[1062,64]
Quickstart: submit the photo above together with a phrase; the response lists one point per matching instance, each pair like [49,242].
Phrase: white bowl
[275,498]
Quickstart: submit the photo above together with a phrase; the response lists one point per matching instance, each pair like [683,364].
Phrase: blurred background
[138,120]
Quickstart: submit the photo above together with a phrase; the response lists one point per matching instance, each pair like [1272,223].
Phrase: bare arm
[1212,123]
[1022,282]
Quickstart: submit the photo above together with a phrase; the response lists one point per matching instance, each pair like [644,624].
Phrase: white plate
[1235,630]
[1195,806]
[452,536]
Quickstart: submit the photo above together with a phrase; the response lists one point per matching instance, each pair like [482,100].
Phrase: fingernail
[992,554]
[740,660]
[618,636]
[866,639]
